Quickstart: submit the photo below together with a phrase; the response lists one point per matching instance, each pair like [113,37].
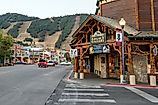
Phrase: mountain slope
[50,32]
[65,44]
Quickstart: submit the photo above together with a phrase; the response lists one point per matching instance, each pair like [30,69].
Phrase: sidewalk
[94,80]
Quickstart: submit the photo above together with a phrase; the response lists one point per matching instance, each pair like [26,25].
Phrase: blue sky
[47,8]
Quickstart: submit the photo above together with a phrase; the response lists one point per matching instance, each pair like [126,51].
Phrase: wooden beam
[80,40]
[76,65]
[87,38]
[81,60]
[82,47]
[130,61]
[87,49]
[137,14]
[81,44]
[153,15]
[82,32]
[140,43]
[152,60]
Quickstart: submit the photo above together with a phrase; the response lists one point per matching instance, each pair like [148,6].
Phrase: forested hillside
[40,28]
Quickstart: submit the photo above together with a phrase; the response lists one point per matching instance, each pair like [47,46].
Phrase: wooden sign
[98,37]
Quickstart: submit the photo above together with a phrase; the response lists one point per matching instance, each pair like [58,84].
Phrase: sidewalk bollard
[81,75]
[132,80]
[152,80]
[76,75]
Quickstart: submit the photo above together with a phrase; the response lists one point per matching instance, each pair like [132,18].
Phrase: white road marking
[143,94]
[86,94]
[83,86]
[87,100]
[86,89]
[46,74]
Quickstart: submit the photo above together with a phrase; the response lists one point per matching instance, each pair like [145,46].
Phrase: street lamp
[122,23]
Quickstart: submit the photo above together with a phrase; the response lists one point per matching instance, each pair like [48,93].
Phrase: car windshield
[50,61]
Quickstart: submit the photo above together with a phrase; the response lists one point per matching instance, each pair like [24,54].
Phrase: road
[75,92]
[28,84]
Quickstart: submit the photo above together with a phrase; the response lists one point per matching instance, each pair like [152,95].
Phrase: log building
[96,40]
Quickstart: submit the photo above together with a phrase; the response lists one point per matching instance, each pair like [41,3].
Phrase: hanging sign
[118,38]
[99,49]
[73,52]
[106,49]
[98,37]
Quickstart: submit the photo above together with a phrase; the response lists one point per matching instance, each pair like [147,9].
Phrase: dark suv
[42,63]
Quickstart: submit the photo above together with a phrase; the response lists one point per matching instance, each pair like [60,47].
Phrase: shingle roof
[115,24]
[146,34]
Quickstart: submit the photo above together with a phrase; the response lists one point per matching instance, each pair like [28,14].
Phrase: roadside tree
[6,43]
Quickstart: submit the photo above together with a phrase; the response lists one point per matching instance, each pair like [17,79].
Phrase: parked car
[51,63]
[65,63]
[56,62]
[20,62]
[42,63]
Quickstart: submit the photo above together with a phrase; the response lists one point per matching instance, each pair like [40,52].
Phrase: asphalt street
[28,84]
[88,92]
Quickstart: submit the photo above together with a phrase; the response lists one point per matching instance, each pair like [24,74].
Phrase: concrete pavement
[98,91]
[94,80]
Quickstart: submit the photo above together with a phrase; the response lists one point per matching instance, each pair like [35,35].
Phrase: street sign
[73,52]
[118,38]
[99,49]
[106,49]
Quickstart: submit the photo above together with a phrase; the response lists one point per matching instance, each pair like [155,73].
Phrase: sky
[47,8]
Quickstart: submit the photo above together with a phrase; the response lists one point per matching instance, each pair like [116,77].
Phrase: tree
[6,42]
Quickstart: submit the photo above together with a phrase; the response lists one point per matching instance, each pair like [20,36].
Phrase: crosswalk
[74,93]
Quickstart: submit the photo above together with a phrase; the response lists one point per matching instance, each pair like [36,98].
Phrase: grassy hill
[54,30]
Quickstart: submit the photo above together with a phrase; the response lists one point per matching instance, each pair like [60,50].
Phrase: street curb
[128,85]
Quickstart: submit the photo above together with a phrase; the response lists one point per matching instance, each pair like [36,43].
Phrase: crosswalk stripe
[86,89]
[83,86]
[143,94]
[87,100]
[86,94]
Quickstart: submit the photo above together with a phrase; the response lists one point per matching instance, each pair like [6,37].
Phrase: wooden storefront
[141,59]
[105,64]
[143,55]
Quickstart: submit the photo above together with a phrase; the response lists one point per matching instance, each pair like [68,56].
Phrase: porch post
[121,74]
[81,64]
[132,79]
[152,70]
[76,68]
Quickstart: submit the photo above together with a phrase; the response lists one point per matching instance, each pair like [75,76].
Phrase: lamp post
[122,23]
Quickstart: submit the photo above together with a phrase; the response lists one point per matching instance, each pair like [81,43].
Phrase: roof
[145,34]
[114,24]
